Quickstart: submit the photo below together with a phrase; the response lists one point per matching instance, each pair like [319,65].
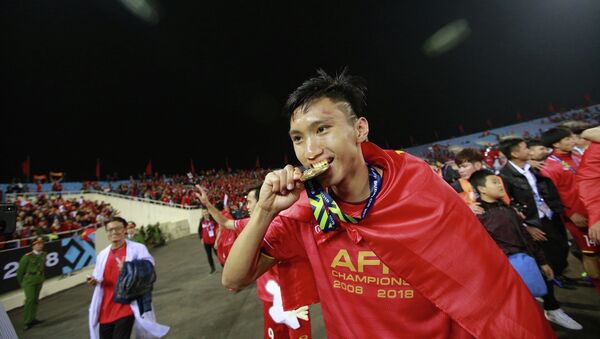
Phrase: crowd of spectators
[53,216]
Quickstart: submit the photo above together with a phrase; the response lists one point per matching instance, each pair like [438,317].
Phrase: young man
[561,167]
[207,231]
[30,276]
[539,196]
[469,160]
[392,249]
[276,323]
[108,319]
[588,181]
[507,230]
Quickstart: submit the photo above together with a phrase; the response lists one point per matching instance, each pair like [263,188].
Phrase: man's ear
[361,127]
[478,165]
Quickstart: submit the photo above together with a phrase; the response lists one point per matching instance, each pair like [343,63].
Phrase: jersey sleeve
[588,179]
[282,240]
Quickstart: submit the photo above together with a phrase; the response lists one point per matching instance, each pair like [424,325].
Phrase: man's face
[467,168]
[521,152]
[324,131]
[493,187]
[131,229]
[565,144]
[251,201]
[38,247]
[538,152]
[115,231]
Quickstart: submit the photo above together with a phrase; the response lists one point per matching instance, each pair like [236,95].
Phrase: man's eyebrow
[312,125]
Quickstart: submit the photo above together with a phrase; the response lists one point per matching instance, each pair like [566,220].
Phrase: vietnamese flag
[26,167]
[192,167]
[149,168]
[98,168]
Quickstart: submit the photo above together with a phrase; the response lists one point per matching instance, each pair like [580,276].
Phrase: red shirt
[562,174]
[209,232]
[462,285]
[588,182]
[110,310]
[226,240]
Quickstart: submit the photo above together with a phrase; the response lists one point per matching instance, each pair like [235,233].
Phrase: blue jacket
[135,282]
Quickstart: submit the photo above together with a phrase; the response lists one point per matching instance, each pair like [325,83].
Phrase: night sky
[82,80]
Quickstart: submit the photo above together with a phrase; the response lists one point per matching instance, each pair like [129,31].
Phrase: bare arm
[592,134]
[279,191]
[212,210]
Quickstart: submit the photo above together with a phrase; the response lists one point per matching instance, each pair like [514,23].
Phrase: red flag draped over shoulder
[436,243]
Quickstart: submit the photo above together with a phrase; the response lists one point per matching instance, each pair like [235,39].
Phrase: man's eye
[322,129]
[296,138]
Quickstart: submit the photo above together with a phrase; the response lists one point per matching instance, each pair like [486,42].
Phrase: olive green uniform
[30,275]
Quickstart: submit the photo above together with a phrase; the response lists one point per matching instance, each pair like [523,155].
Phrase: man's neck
[118,244]
[36,252]
[487,199]
[518,162]
[356,187]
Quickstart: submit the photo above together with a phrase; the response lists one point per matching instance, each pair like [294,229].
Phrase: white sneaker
[559,317]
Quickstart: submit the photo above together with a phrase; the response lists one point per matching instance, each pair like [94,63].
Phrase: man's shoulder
[299,211]
[135,245]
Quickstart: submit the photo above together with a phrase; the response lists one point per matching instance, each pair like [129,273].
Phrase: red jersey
[111,311]
[588,181]
[420,265]
[226,240]
[561,169]
[209,232]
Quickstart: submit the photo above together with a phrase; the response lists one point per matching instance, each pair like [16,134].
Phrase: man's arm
[592,134]
[212,210]
[244,264]
[22,267]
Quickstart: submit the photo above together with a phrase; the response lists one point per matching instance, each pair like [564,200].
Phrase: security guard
[31,277]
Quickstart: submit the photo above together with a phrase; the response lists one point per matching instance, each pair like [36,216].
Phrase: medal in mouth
[315,170]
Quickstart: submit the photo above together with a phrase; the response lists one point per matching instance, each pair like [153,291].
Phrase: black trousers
[120,329]
[556,249]
[209,249]
[550,302]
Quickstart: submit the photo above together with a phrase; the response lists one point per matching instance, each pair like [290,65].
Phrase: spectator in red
[561,167]
[207,231]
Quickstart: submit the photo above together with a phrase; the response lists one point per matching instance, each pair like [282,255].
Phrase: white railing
[110,194]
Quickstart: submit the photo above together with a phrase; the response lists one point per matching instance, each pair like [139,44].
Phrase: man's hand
[538,165]
[476,208]
[537,234]
[201,194]
[594,232]
[280,190]
[91,281]
[579,220]
[547,271]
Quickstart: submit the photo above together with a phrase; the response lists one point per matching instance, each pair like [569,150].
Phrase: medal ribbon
[324,207]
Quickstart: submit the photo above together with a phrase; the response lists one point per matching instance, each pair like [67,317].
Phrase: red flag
[285,159]
[227,164]
[551,108]
[519,116]
[149,168]
[25,167]
[257,164]
[461,129]
[488,122]
[98,168]
[192,167]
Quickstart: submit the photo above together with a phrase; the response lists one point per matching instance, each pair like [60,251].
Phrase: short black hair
[468,155]
[117,219]
[339,88]
[478,178]
[534,142]
[555,135]
[256,190]
[508,145]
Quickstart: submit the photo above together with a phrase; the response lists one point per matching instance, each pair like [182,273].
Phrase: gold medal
[316,169]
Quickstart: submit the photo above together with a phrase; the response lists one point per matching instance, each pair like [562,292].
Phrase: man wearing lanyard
[588,181]
[391,248]
[561,167]
[542,218]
